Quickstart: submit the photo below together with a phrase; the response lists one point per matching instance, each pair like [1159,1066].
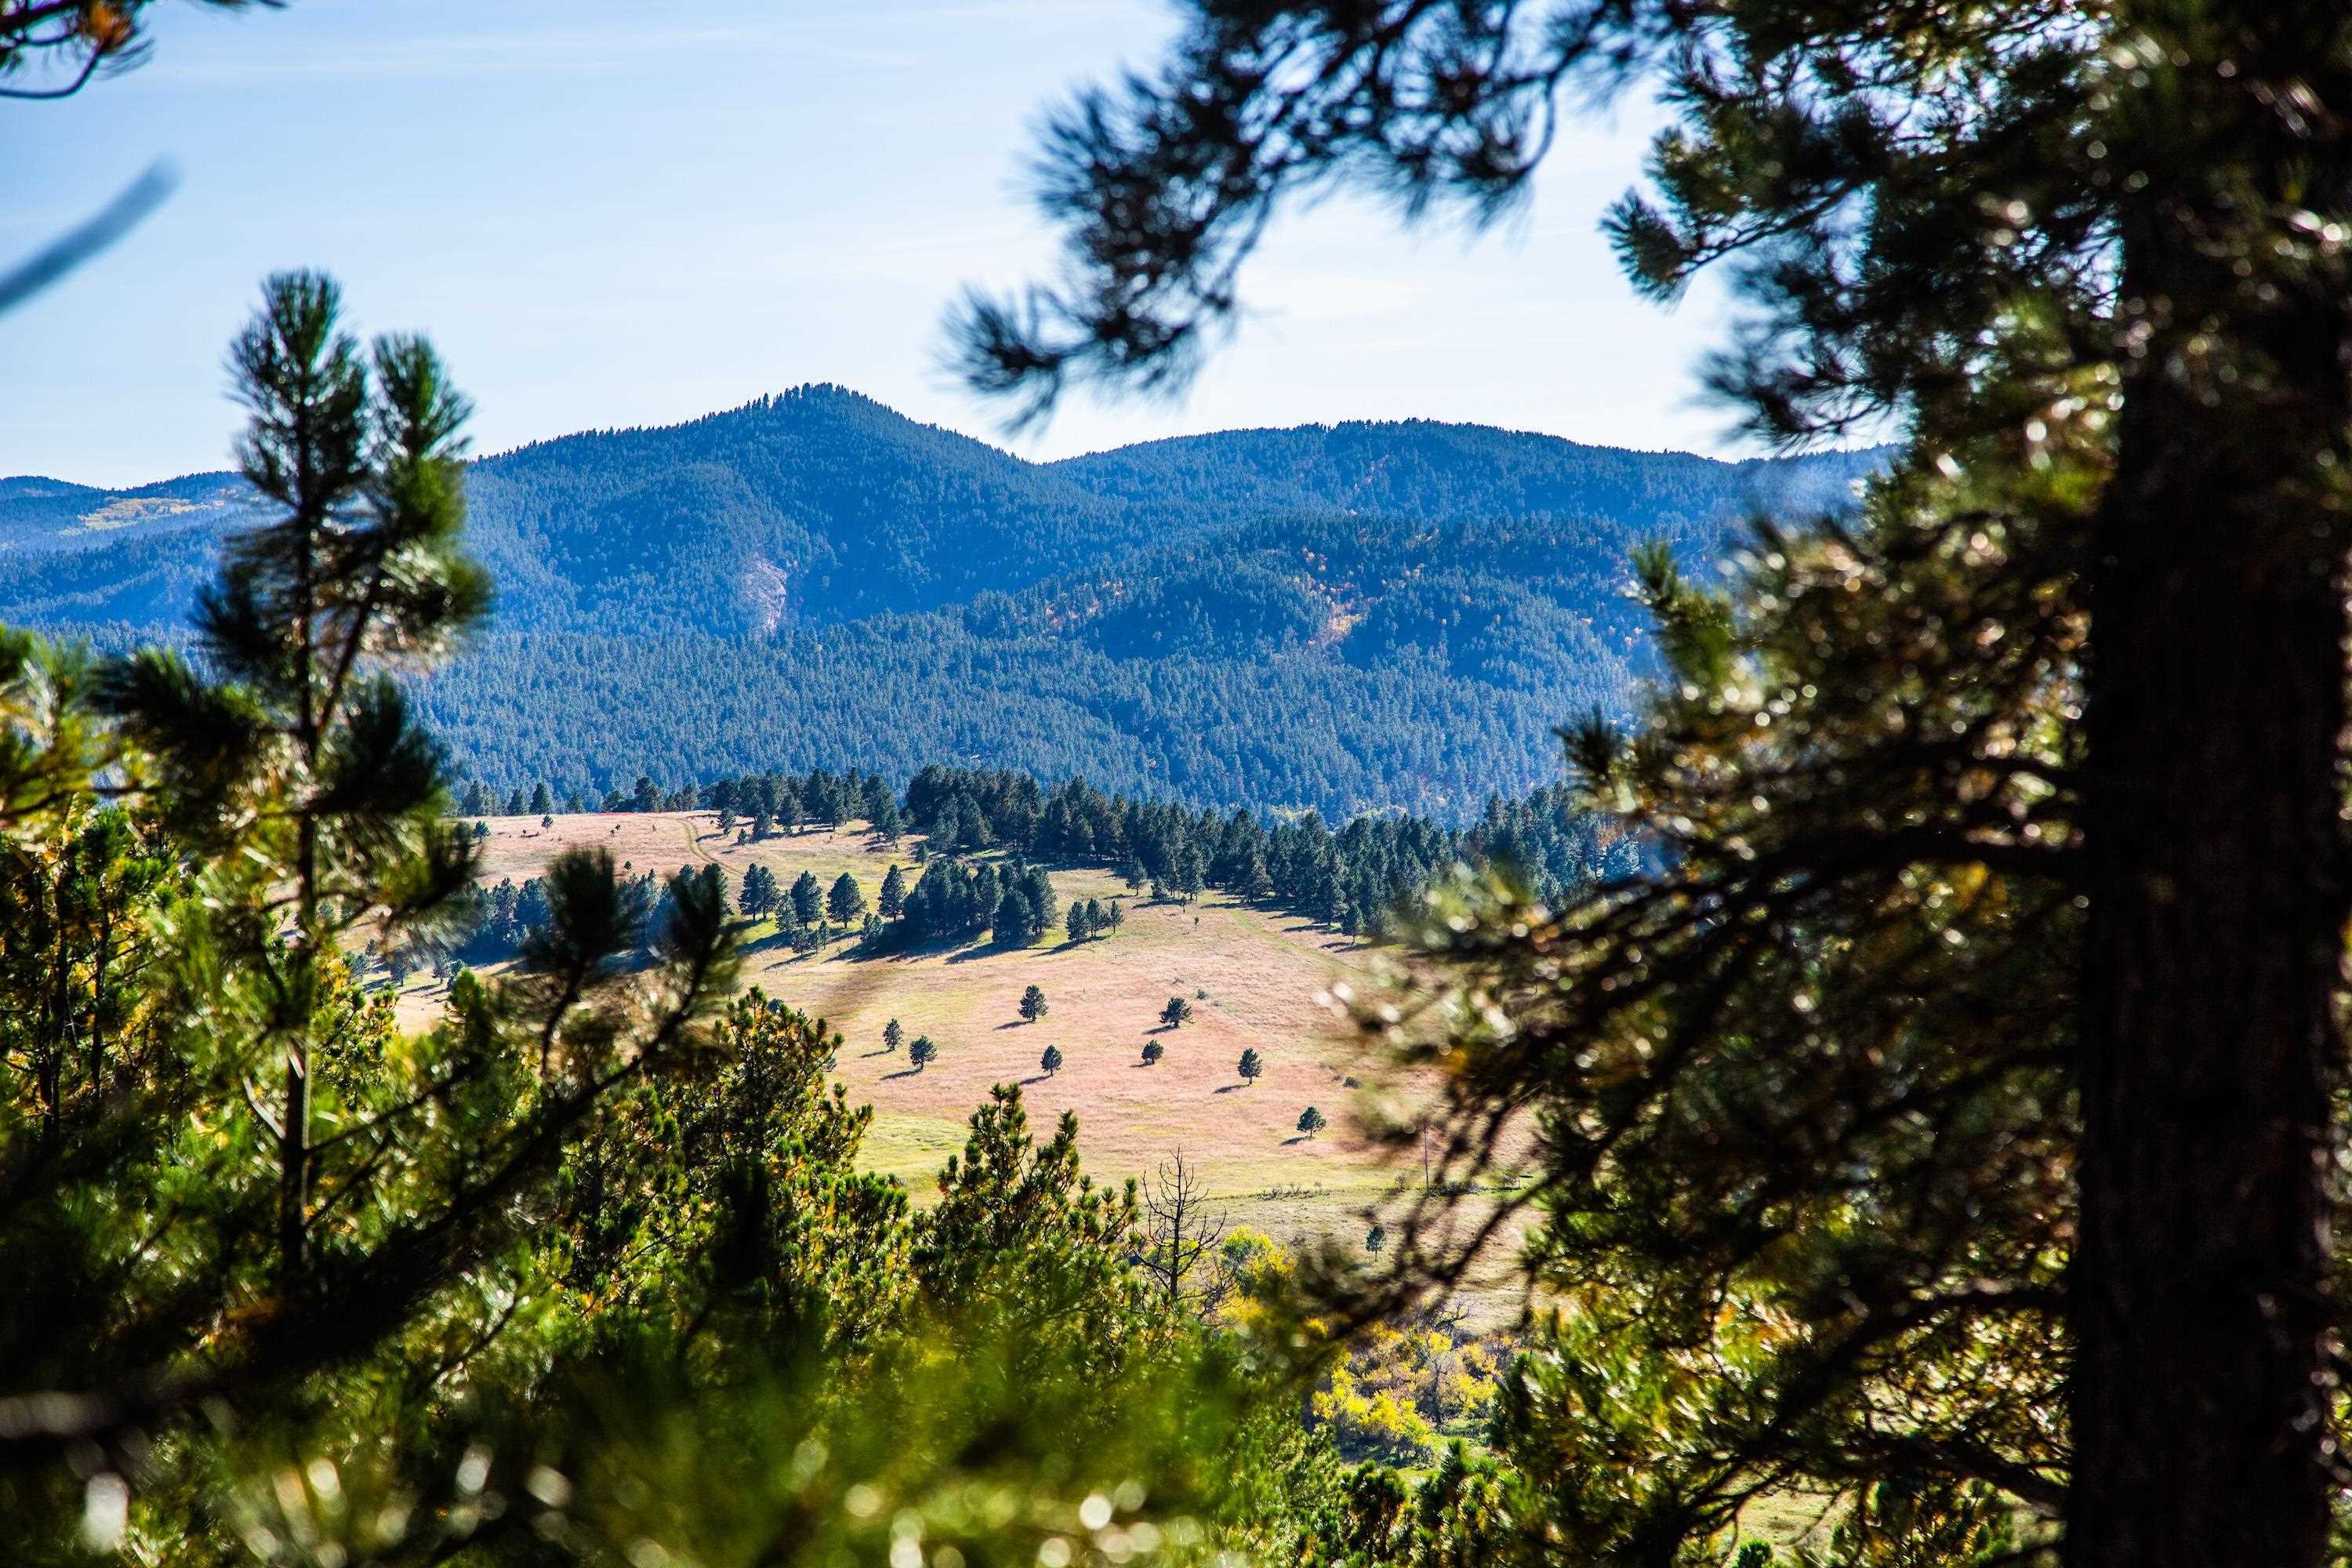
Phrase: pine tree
[1177,1014]
[1310,1120]
[845,900]
[1152,1051]
[1032,1004]
[514,804]
[808,900]
[541,802]
[893,900]
[278,1184]
[359,454]
[1252,1067]
[891,1035]
[1189,874]
[2084,260]
[1038,888]
[1075,922]
[922,1052]
[1015,917]
[1052,1060]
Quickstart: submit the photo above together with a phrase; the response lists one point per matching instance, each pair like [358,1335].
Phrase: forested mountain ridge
[1423,468]
[1347,617]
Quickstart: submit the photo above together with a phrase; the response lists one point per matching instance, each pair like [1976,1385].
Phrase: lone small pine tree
[891,1035]
[1310,1120]
[1177,1013]
[1152,1051]
[921,1052]
[1251,1066]
[1032,1004]
[1052,1060]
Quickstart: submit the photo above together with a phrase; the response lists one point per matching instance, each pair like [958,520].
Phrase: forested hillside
[1347,617]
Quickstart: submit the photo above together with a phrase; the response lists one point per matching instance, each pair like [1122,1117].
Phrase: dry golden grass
[1262,975]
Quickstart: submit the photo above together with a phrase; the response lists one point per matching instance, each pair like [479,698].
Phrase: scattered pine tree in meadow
[892,901]
[1310,1120]
[845,900]
[808,900]
[758,897]
[1076,922]
[1052,1060]
[1252,1067]
[1376,1238]
[1152,1051]
[891,1035]
[1032,1004]
[1177,1014]
[922,1053]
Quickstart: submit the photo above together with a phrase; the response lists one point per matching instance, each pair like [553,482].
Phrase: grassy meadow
[1262,975]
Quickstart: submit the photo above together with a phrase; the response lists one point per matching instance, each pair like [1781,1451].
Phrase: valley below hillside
[1255,980]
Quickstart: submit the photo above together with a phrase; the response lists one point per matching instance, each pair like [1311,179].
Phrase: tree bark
[2216,849]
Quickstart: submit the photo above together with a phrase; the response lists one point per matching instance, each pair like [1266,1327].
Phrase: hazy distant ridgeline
[1345,617]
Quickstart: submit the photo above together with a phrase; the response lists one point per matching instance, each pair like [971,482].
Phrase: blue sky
[616,213]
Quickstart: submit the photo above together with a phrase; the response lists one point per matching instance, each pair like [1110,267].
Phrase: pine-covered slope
[1343,617]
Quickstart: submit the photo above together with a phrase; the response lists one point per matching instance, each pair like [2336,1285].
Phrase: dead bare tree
[1185,1227]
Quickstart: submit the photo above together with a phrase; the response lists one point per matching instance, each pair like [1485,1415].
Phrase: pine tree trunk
[294,1153]
[2217,887]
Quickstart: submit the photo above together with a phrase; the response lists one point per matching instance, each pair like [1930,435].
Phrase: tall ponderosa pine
[2008,867]
[304,753]
[269,1180]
